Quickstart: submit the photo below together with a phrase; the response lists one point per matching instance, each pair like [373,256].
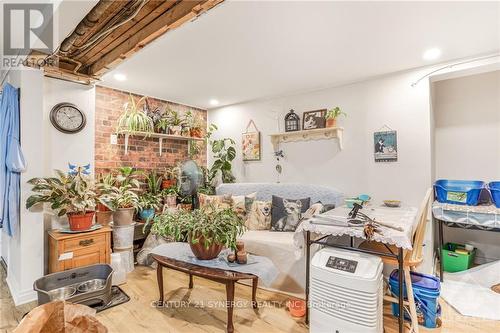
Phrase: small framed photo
[385,146]
[251,146]
[314,119]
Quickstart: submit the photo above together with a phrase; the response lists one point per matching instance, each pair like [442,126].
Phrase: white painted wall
[467,143]
[45,149]
[388,100]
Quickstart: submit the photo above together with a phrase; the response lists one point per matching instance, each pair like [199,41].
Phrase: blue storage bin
[459,192]
[426,290]
[495,193]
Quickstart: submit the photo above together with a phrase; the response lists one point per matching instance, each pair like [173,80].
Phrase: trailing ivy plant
[215,226]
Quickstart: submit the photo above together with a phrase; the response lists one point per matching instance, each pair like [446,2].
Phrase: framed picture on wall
[385,146]
[314,119]
[250,143]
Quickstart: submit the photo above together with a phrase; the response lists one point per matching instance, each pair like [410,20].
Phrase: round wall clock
[67,118]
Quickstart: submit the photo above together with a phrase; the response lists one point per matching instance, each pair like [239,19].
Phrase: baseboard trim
[20,297]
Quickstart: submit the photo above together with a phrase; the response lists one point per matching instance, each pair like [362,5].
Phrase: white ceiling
[242,51]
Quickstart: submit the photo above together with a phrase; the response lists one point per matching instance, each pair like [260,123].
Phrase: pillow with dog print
[243,203]
[259,216]
[218,201]
[286,214]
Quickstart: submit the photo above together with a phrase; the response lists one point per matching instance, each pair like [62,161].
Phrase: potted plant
[162,125]
[104,185]
[154,182]
[186,202]
[224,153]
[195,126]
[332,115]
[134,119]
[170,196]
[208,230]
[70,194]
[169,177]
[123,201]
[148,204]
[175,122]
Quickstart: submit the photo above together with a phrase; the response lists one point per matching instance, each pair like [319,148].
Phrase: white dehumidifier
[345,292]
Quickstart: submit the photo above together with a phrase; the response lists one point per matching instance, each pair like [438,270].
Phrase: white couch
[279,246]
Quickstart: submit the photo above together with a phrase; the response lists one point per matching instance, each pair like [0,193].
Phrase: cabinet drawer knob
[86,242]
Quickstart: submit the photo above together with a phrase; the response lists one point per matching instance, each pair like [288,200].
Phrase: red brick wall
[142,153]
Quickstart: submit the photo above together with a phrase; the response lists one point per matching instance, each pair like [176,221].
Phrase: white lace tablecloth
[261,266]
[404,217]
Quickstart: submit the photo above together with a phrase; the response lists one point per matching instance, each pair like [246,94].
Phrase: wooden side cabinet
[68,251]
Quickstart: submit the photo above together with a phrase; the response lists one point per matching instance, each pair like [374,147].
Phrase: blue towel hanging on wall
[11,160]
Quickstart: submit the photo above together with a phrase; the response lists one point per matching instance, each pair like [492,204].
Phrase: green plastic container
[456,262]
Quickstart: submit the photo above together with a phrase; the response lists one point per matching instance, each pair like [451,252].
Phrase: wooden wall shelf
[306,135]
[159,136]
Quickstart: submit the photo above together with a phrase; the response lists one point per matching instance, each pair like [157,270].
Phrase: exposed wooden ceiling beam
[115,30]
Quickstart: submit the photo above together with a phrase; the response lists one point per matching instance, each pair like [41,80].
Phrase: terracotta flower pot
[103,218]
[102,208]
[175,130]
[123,216]
[166,183]
[203,253]
[171,200]
[80,222]
[186,206]
[331,122]
[196,132]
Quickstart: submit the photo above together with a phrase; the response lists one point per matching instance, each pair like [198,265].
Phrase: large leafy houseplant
[208,230]
[134,119]
[70,194]
[224,153]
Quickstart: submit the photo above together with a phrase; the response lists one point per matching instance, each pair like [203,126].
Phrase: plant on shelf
[70,194]
[195,124]
[224,153]
[162,125]
[208,230]
[332,115]
[174,120]
[148,203]
[170,196]
[133,119]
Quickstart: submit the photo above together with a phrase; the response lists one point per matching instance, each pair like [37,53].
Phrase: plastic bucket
[426,290]
[459,192]
[123,236]
[126,259]
[119,269]
[494,188]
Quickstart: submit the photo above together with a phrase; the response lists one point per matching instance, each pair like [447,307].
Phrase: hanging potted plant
[208,230]
[170,196]
[332,115]
[70,194]
[133,119]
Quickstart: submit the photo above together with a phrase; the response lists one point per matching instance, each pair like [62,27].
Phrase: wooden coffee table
[227,277]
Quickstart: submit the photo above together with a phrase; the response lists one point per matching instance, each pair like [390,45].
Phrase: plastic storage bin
[426,290]
[494,188]
[456,262]
[459,192]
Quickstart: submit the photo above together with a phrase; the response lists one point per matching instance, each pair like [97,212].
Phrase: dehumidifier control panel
[342,264]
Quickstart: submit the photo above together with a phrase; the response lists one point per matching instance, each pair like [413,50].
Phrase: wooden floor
[201,310]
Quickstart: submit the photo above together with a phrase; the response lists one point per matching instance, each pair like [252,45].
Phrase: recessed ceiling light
[120,77]
[214,102]
[432,54]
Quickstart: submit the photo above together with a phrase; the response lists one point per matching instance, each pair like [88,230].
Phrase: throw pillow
[218,201]
[259,216]
[287,213]
[243,203]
